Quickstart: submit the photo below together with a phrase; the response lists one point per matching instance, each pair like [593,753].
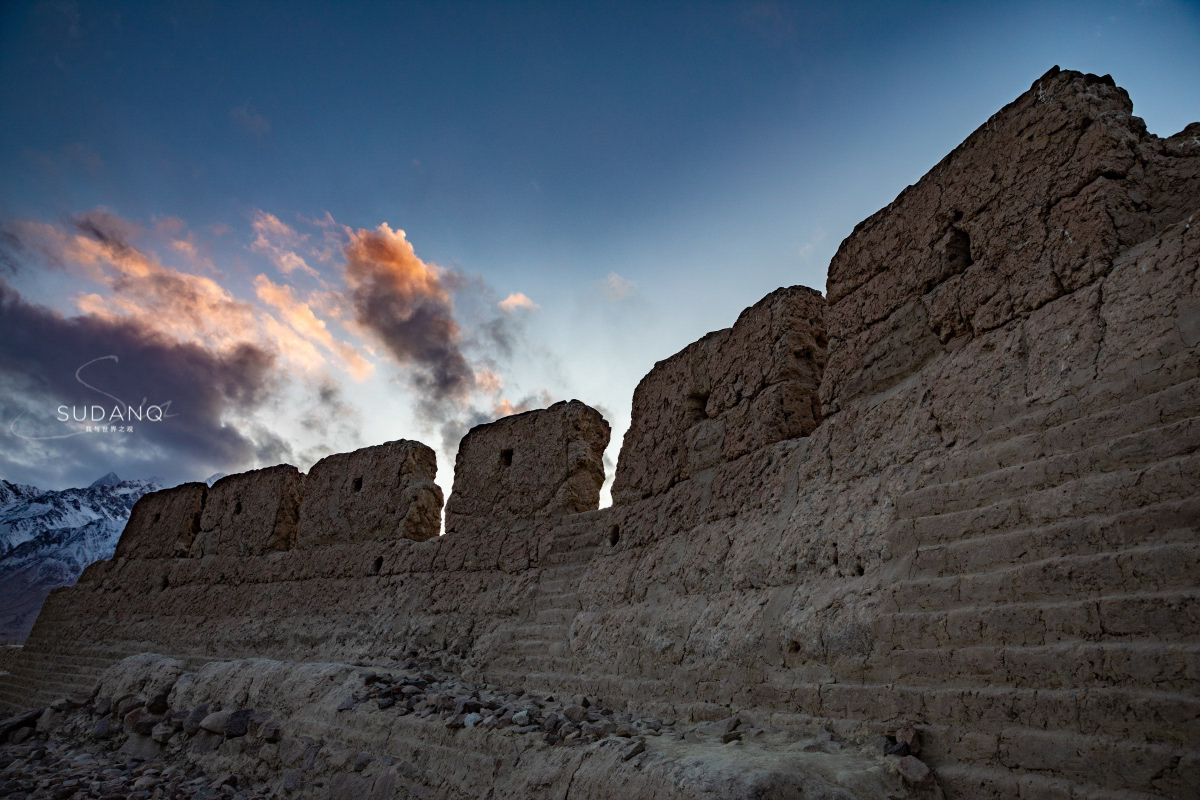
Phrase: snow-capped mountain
[30,511]
[11,493]
[48,537]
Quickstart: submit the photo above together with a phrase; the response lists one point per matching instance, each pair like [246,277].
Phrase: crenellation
[373,494]
[164,524]
[251,513]
[544,462]
[733,392]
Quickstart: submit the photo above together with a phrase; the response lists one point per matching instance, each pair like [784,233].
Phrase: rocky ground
[39,767]
[138,735]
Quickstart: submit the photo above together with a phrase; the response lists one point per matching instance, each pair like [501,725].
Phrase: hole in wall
[237,508]
[166,582]
[957,252]
[858,570]
[378,565]
[696,406]
[614,535]
[506,457]
[793,647]
[358,484]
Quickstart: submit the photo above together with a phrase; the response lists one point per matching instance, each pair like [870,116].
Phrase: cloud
[187,307]
[407,305]
[300,317]
[447,333]
[210,394]
[278,241]
[516,302]
[182,305]
[615,287]
[250,120]
[504,408]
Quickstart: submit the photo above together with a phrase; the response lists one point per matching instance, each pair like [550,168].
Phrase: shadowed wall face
[373,494]
[163,524]
[538,463]
[251,513]
[731,393]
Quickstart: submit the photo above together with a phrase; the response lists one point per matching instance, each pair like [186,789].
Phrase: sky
[282,230]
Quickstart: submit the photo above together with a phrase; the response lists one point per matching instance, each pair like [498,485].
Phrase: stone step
[585,537]
[1107,619]
[1107,494]
[581,555]
[1157,567]
[1159,719]
[570,571]
[1168,522]
[1133,451]
[1045,431]
[533,648]
[555,615]
[1061,665]
[565,586]
[998,783]
[533,631]
[546,665]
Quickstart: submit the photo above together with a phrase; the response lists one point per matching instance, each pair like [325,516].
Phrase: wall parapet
[540,463]
[734,391]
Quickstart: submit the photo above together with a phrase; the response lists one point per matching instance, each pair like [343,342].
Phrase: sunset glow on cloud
[277,240]
[375,288]
[406,304]
[300,317]
[517,301]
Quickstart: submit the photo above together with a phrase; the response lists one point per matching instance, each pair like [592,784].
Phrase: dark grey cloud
[40,353]
[408,305]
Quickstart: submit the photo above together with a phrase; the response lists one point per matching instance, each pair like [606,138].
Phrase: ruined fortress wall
[539,463]
[374,494]
[249,514]
[733,392]
[991,532]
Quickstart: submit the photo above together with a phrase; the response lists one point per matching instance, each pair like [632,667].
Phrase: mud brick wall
[549,461]
[733,392]
[987,526]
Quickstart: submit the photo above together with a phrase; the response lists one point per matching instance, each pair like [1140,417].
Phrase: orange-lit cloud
[407,305]
[278,241]
[301,318]
[211,394]
[517,301]
[184,306]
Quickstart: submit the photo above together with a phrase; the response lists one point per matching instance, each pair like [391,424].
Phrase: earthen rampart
[964,494]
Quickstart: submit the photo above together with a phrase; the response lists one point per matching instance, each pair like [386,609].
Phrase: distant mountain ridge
[48,537]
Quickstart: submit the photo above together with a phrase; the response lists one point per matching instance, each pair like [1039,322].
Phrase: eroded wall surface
[988,525]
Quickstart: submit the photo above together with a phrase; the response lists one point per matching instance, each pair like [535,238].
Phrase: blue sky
[626,176]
